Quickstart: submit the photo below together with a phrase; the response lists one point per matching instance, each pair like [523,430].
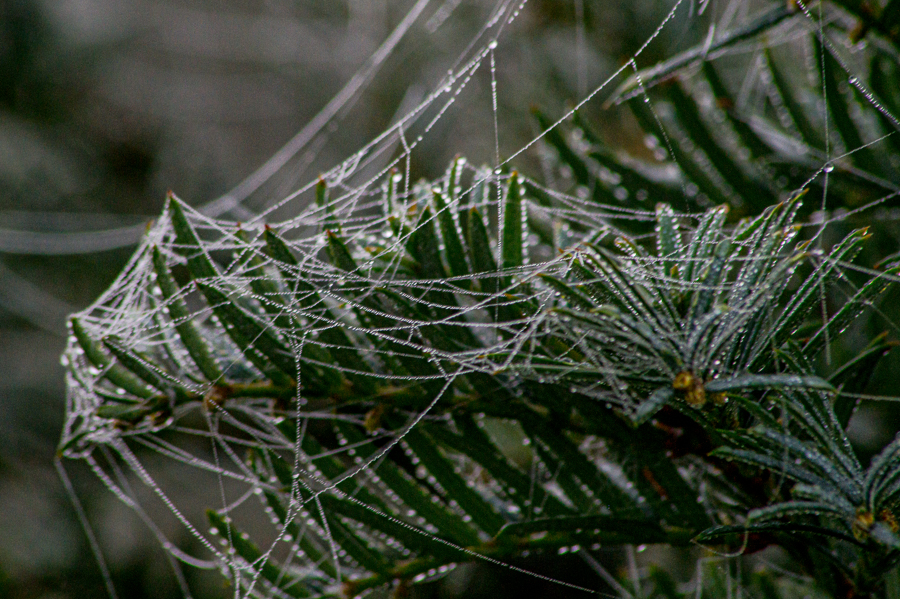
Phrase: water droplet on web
[493,44]
[828,167]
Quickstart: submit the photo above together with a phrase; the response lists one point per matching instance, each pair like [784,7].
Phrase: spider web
[190,452]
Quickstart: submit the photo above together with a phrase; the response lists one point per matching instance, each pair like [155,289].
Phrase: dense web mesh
[306,362]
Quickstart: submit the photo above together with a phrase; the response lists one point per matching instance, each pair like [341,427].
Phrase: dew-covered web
[311,375]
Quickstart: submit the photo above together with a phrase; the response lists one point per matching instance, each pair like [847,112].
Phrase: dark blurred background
[105,105]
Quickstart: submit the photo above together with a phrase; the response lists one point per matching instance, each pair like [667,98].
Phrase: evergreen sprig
[665,383]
